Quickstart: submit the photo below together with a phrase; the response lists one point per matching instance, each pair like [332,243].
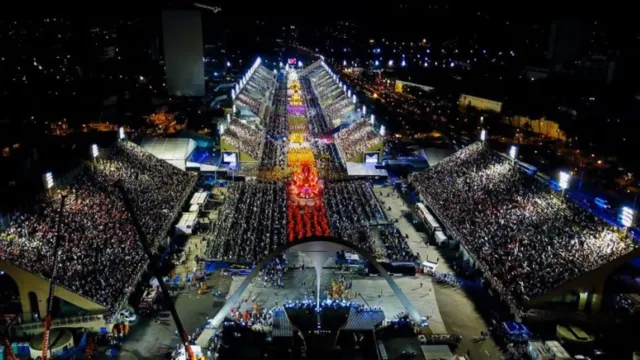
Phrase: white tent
[174,150]
[187,222]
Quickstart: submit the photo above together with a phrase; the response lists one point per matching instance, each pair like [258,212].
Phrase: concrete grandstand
[101,259]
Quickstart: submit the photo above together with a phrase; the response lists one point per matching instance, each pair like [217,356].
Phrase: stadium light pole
[626,218]
[513,153]
[483,135]
[95,152]
[563,182]
[48,181]
[372,119]
[382,130]
[121,134]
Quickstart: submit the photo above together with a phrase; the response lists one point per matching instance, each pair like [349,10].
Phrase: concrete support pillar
[582,301]
[596,299]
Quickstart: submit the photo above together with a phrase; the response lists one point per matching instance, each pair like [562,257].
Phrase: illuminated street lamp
[94,151]
[121,133]
[483,135]
[626,217]
[564,181]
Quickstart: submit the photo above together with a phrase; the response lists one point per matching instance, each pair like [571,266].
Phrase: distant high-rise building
[183,52]
[564,43]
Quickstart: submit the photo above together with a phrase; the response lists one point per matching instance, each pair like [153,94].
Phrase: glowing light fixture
[94,151]
[564,180]
[626,216]
[48,180]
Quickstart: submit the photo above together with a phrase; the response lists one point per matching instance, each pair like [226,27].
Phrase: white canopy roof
[169,149]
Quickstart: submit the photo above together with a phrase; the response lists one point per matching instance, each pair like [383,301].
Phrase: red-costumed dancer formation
[310,219]
[306,220]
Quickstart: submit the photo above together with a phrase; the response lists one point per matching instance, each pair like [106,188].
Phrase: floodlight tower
[627,215]
[513,153]
[564,181]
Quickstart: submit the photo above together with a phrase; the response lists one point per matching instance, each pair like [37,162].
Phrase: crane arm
[52,285]
[165,291]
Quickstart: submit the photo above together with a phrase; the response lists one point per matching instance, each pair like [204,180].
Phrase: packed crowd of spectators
[526,238]
[317,122]
[251,223]
[357,138]
[100,255]
[395,244]
[351,209]
[277,122]
[258,92]
[328,161]
[245,138]
[274,154]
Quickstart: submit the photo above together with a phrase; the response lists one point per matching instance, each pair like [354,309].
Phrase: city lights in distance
[390,62]
[564,180]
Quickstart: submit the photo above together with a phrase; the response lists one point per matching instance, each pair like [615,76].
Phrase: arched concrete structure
[29,282]
[308,244]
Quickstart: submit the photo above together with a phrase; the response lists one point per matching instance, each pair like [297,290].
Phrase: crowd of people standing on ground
[100,251]
[527,238]
[251,223]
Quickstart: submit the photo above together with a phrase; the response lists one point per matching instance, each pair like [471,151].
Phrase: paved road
[458,312]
